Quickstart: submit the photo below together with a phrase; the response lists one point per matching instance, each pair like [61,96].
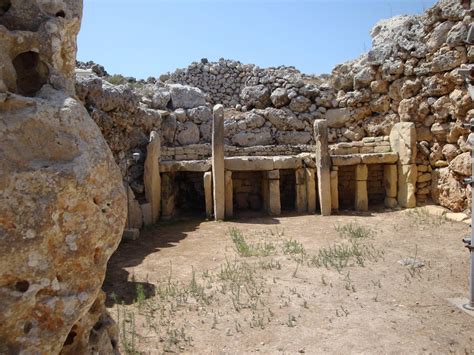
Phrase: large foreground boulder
[62,203]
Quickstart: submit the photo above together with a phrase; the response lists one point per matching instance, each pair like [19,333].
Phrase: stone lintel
[185,165]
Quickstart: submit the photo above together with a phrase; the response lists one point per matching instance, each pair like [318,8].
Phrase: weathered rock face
[62,203]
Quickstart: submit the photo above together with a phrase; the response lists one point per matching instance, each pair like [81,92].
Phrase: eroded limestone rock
[62,203]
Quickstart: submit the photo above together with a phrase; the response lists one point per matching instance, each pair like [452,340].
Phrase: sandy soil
[183,287]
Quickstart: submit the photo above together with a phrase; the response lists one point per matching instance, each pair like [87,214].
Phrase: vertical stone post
[167,196]
[208,193]
[301,196]
[323,163]
[403,142]
[361,196]
[229,195]
[151,176]
[335,188]
[265,193]
[273,196]
[311,189]
[390,180]
[218,172]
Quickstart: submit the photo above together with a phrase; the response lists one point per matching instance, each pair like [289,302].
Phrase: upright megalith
[403,142]
[218,166]
[323,165]
[151,177]
[62,201]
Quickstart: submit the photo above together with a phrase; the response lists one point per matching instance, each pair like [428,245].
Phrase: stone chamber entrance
[190,197]
[346,186]
[288,190]
[375,184]
[247,191]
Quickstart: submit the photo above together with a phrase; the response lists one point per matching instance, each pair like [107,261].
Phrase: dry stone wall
[411,74]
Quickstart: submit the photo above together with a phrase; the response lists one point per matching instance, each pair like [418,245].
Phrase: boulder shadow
[119,285]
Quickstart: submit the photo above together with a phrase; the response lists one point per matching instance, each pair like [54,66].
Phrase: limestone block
[134,214]
[200,166]
[334,190]
[379,158]
[218,174]
[229,195]
[425,177]
[274,201]
[208,193]
[147,214]
[390,202]
[301,202]
[266,195]
[337,118]
[361,172]
[323,163]
[361,196]
[311,189]
[288,162]
[249,163]
[407,176]
[403,141]
[390,178]
[167,196]
[273,175]
[300,176]
[341,160]
[151,177]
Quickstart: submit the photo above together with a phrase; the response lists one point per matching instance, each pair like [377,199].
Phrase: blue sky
[144,38]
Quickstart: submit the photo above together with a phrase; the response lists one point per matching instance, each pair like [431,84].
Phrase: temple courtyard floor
[370,283]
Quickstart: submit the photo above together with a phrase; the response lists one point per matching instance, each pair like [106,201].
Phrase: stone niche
[375,184]
[288,190]
[346,186]
[183,194]
[248,191]
[190,197]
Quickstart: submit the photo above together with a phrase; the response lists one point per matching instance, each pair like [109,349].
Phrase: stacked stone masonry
[398,109]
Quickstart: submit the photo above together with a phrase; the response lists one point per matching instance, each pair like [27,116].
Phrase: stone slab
[342,160]
[185,165]
[249,163]
[379,158]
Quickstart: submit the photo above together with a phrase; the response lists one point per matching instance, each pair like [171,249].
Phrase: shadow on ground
[118,285]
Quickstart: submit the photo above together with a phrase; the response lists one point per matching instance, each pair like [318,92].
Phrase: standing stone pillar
[218,172]
[311,189]
[167,196]
[390,180]
[151,177]
[208,193]
[403,142]
[361,195]
[273,197]
[323,163]
[229,195]
[335,188]
[301,196]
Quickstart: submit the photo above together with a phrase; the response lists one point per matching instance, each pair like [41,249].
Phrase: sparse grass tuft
[421,216]
[246,249]
[354,231]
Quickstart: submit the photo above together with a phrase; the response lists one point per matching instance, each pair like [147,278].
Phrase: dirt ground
[295,284]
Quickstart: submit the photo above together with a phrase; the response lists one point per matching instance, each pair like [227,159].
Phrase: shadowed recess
[31,72]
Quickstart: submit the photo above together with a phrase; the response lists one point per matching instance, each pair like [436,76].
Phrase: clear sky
[144,38]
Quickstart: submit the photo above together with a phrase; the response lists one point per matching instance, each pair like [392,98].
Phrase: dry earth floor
[295,284]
